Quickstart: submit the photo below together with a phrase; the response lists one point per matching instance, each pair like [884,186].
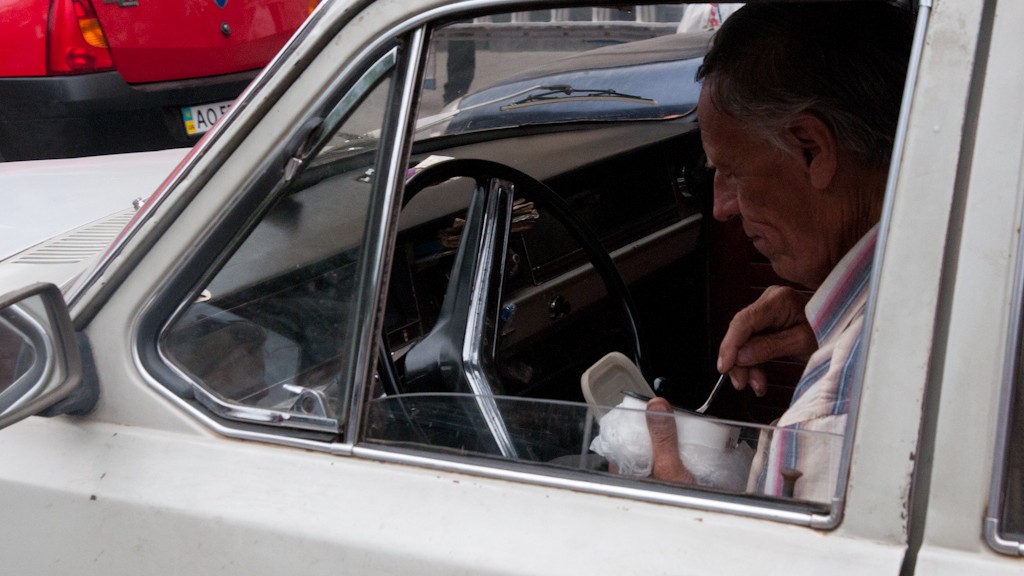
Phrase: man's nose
[726,203]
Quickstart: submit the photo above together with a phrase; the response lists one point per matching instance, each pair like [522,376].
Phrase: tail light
[311,5]
[75,39]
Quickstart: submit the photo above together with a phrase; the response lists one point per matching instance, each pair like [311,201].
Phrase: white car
[313,349]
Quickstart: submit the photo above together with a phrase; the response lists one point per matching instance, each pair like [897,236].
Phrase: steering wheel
[458,354]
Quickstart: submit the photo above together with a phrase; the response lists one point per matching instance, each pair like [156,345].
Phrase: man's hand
[661,425]
[774,326]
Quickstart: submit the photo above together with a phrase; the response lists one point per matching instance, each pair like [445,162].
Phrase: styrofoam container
[606,382]
[614,379]
[693,428]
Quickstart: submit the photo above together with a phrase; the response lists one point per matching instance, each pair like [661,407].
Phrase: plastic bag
[625,442]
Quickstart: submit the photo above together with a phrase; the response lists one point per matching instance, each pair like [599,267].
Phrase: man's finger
[661,425]
[758,382]
[739,376]
[777,309]
[796,342]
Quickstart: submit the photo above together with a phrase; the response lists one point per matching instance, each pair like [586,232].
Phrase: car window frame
[993,525]
[835,515]
[315,133]
[215,248]
[1012,380]
[743,505]
[373,282]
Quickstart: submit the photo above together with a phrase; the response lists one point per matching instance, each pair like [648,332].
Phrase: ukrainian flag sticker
[190,124]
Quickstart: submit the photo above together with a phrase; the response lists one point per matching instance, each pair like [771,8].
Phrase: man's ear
[815,143]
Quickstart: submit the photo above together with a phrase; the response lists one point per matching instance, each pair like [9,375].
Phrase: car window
[1006,511]
[1012,510]
[499,304]
[569,437]
[480,75]
[265,339]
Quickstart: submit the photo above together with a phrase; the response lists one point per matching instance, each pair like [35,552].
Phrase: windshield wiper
[566,93]
[444,116]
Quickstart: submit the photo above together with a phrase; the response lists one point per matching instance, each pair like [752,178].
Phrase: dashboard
[634,188]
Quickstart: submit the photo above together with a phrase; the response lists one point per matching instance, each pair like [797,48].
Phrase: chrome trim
[259,415]
[490,258]
[203,418]
[359,90]
[913,69]
[378,250]
[1006,400]
[323,131]
[734,505]
[240,412]
[997,542]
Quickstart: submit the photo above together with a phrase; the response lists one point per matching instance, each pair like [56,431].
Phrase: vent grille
[79,244]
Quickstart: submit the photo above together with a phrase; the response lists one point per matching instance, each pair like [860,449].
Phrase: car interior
[523,255]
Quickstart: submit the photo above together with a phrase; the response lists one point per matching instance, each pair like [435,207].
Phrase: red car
[86,77]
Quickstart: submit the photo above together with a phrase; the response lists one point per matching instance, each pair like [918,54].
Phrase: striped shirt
[807,443]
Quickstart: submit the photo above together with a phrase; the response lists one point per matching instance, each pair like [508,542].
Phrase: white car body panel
[138,494]
[145,485]
[47,199]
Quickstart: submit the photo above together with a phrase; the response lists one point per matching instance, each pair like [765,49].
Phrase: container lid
[605,383]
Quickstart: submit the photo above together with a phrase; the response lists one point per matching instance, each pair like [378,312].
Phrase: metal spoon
[714,392]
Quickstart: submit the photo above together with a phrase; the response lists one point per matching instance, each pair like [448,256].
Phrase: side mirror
[40,362]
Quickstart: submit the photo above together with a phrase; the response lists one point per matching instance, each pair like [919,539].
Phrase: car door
[973,430]
[234,335]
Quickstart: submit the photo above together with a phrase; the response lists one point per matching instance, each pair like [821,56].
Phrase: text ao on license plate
[199,119]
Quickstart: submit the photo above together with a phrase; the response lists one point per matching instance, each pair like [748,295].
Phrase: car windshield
[478,81]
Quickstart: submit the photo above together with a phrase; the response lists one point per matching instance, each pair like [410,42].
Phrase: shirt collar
[840,291]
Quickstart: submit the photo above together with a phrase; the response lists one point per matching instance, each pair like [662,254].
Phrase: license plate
[199,119]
